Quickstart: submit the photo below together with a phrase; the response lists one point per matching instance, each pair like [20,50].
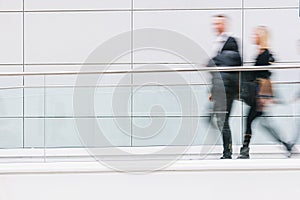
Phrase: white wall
[59,35]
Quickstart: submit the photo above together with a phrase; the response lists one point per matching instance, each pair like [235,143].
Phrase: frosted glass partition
[142,113]
[48,113]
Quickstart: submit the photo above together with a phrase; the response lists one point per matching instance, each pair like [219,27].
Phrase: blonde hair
[263,35]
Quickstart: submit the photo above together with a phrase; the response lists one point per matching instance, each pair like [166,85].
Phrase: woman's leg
[253,114]
[244,152]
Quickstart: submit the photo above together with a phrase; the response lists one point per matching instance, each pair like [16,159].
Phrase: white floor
[258,179]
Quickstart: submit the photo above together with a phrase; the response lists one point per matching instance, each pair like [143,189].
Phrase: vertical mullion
[131,75]
[23,69]
[240,76]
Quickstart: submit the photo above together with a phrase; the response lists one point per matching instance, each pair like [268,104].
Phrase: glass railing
[63,115]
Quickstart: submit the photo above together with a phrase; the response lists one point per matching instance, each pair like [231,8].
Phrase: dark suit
[225,88]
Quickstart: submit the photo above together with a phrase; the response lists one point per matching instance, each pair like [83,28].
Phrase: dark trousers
[223,125]
[248,95]
[224,91]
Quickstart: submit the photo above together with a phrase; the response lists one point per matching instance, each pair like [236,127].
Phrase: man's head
[219,23]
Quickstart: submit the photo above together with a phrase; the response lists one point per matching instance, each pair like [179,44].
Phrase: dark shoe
[244,153]
[226,157]
[289,148]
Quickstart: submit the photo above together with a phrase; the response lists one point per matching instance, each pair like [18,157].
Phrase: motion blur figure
[257,92]
[224,84]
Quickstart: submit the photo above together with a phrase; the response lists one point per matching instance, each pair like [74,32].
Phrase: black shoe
[226,157]
[244,153]
[289,148]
